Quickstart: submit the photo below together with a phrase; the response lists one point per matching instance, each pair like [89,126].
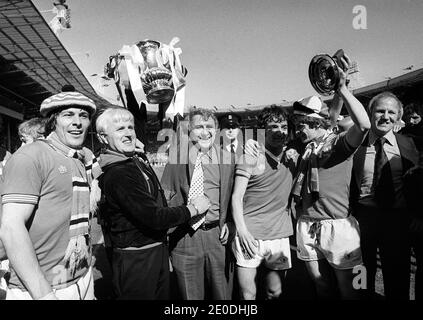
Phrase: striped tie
[197,189]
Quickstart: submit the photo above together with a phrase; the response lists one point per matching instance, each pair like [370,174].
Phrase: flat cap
[63,99]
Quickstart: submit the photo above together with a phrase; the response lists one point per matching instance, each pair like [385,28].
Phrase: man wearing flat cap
[45,226]
[231,133]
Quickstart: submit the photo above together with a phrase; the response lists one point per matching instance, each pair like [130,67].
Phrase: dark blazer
[409,157]
[134,212]
[176,180]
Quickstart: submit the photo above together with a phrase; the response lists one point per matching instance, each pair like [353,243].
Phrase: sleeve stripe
[74,224]
[242,173]
[19,198]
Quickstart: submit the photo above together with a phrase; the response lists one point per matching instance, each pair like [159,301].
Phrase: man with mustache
[328,238]
[383,201]
[201,260]
[260,210]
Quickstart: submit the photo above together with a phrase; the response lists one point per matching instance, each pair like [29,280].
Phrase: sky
[247,52]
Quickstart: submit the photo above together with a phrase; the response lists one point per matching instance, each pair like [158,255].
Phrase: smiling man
[200,257]
[382,199]
[135,212]
[46,206]
[260,210]
[328,236]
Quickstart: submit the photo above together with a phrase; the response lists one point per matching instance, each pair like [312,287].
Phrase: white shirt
[394,157]
[235,143]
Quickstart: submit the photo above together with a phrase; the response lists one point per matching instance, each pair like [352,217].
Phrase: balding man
[382,200]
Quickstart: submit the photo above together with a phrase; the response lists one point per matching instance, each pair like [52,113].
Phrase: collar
[108,156]
[235,143]
[211,154]
[276,159]
[389,136]
[53,140]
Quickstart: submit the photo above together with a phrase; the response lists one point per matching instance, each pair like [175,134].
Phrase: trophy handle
[337,57]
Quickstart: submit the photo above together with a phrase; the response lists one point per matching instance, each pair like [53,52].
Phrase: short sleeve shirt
[36,174]
[335,161]
[265,203]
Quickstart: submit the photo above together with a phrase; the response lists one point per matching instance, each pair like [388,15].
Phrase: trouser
[203,266]
[83,289]
[141,274]
[387,230]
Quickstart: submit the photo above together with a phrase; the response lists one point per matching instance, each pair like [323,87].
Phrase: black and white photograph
[211,158]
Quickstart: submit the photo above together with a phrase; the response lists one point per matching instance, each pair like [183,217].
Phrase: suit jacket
[409,157]
[176,180]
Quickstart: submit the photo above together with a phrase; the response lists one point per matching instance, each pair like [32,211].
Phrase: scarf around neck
[84,169]
[307,178]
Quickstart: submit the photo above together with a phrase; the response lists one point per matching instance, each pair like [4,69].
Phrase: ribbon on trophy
[155,68]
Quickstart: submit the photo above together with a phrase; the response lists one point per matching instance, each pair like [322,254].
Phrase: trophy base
[160,94]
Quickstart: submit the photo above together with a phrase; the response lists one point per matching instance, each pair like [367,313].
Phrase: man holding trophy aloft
[328,237]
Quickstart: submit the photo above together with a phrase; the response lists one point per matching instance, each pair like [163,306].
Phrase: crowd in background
[340,189]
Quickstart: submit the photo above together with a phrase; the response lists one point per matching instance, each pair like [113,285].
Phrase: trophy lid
[147,41]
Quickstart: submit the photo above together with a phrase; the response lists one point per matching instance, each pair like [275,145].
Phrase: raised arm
[357,133]
[335,109]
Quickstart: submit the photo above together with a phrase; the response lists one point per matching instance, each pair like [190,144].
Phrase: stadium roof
[398,84]
[33,62]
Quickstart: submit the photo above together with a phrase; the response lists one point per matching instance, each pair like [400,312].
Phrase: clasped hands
[201,204]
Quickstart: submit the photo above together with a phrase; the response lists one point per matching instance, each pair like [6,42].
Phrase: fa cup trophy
[156,76]
[151,65]
[324,74]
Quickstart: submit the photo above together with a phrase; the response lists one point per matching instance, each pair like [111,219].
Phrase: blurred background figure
[231,133]
[28,131]
[413,113]
[4,153]
[31,130]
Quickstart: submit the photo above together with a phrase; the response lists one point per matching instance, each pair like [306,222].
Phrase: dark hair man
[328,236]
[260,208]
[45,223]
